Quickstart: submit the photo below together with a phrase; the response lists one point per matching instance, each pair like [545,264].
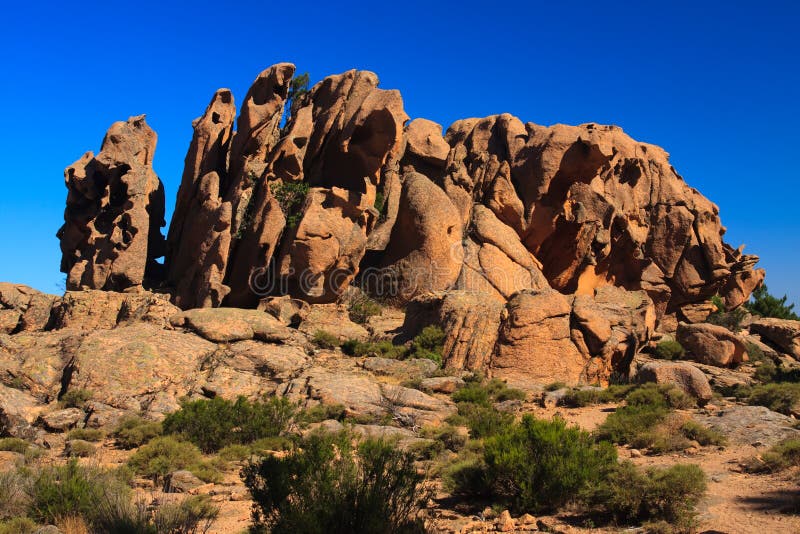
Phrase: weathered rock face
[111,236]
[784,333]
[686,377]
[494,206]
[23,308]
[712,344]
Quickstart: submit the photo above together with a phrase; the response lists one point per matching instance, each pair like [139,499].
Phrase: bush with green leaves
[428,344]
[75,398]
[18,525]
[71,490]
[211,424]
[783,397]
[14,494]
[14,445]
[630,495]
[383,348]
[322,412]
[163,455]
[538,465]
[133,431]
[579,397]
[328,486]
[361,307]
[78,448]
[646,421]
[475,406]
[325,340]
[766,305]
[669,349]
[290,196]
[732,320]
[86,434]
[782,455]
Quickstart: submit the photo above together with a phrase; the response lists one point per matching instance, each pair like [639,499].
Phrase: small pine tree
[766,305]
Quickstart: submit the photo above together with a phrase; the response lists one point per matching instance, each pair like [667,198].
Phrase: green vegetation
[362,307]
[475,403]
[321,412]
[669,350]
[385,349]
[86,434]
[783,397]
[646,421]
[214,423]
[14,445]
[555,386]
[133,431]
[732,320]
[75,398]
[325,340]
[290,196]
[766,305]
[579,397]
[428,344]
[78,448]
[780,456]
[18,525]
[189,516]
[297,88]
[538,465]
[630,495]
[328,486]
[165,454]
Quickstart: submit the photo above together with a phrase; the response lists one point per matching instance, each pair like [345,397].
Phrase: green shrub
[539,465]
[14,494]
[75,398]
[555,386]
[628,423]
[235,452]
[429,344]
[191,515]
[483,420]
[448,435]
[86,434]
[14,445]
[165,454]
[133,431]
[485,392]
[18,525]
[274,443]
[362,307]
[325,340]
[214,423]
[630,495]
[779,397]
[384,349]
[466,476]
[576,398]
[669,350]
[780,456]
[71,490]
[322,412]
[702,434]
[732,320]
[766,305]
[327,486]
[290,196]
[77,448]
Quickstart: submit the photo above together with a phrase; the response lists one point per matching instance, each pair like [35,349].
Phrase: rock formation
[582,237]
[111,236]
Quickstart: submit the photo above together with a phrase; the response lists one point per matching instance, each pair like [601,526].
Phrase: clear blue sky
[717,86]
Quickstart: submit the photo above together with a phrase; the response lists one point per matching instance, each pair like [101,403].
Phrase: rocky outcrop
[23,308]
[712,344]
[469,321]
[783,333]
[111,236]
[686,377]
[495,206]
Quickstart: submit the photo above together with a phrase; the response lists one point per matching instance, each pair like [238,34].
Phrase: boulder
[62,420]
[409,369]
[335,319]
[96,309]
[111,236]
[442,384]
[289,311]
[424,253]
[424,140]
[469,320]
[748,425]
[224,325]
[712,344]
[23,308]
[783,333]
[534,343]
[18,411]
[181,482]
[685,376]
